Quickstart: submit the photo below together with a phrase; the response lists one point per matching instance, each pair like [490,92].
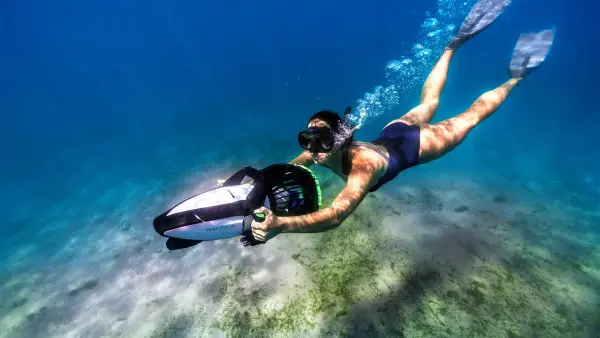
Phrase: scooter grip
[259,216]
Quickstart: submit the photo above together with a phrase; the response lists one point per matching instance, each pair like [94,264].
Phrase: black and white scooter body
[228,210]
[215,229]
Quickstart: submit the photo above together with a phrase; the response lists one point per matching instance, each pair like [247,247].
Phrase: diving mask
[316,139]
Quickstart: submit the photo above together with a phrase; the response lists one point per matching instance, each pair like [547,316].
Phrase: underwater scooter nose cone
[162,223]
[158,226]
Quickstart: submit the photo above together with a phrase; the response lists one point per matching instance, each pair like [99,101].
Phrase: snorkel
[346,129]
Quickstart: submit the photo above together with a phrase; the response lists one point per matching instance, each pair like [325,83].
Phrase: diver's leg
[440,138]
[430,95]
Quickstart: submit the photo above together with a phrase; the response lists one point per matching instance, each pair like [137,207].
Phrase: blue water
[113,110]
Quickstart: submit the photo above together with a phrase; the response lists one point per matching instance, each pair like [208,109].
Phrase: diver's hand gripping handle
[247,237]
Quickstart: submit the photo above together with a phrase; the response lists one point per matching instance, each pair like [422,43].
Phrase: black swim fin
[530,51]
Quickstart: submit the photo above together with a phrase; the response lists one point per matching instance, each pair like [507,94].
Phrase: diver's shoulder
[367,156]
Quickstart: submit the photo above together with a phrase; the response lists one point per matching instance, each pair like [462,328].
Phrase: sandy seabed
[443,256]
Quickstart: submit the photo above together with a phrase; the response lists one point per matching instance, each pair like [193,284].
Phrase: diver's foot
[483,13]
[529,53]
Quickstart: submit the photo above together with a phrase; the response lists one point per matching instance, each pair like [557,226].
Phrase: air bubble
[408,73]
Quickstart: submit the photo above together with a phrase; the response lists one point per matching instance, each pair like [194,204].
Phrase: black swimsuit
[402,141]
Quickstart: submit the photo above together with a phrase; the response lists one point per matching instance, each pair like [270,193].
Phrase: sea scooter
[228,210]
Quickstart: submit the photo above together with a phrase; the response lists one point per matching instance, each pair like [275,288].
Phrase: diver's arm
[304,159]
[344,204]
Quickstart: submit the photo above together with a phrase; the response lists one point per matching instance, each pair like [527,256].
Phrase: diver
[404,142]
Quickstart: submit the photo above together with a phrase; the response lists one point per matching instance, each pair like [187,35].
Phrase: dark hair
[334,120]
[331,118]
